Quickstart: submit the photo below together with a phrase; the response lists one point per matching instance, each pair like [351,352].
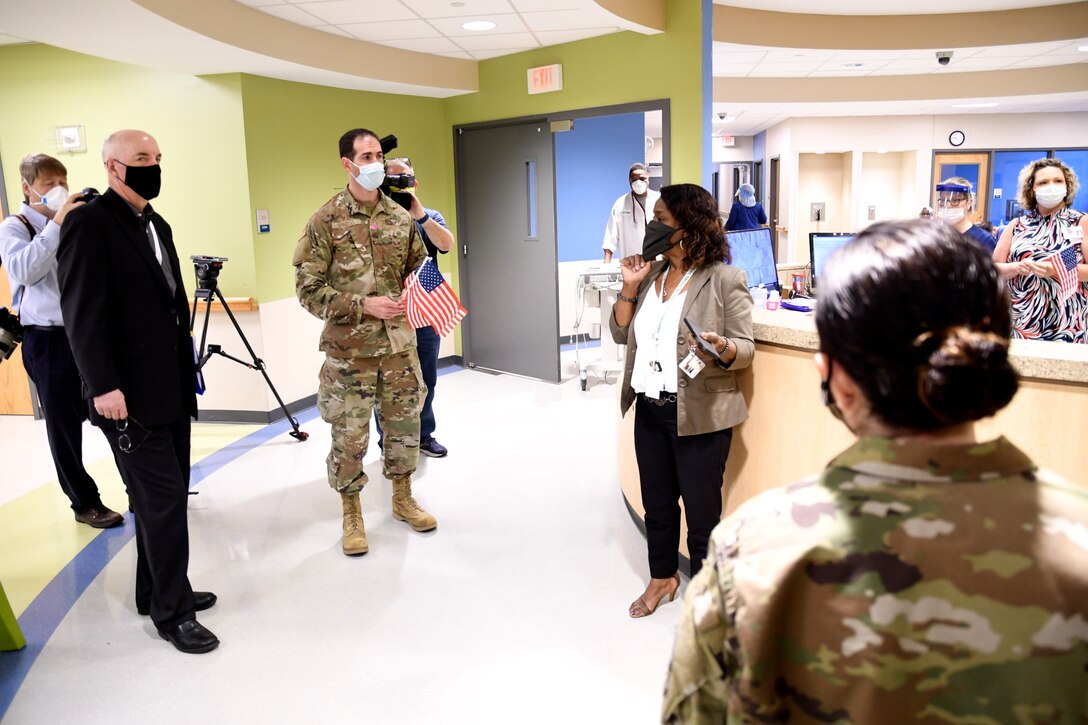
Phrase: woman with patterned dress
[1041,308]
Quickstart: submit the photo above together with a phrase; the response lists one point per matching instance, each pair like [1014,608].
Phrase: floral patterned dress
[1038,312]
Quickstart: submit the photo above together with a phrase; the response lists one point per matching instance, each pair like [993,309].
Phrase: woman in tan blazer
[683,419]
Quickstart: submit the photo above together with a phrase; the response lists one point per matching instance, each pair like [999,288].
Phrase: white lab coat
[627,224]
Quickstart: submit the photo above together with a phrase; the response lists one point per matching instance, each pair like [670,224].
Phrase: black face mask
[656,240]
[829,399]
[145,181]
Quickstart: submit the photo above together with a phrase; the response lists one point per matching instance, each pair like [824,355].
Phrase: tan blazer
[717,299]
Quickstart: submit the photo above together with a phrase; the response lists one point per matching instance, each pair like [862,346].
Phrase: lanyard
[665,305]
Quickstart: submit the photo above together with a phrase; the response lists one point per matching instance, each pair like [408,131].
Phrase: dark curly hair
[697,214]
[920,320]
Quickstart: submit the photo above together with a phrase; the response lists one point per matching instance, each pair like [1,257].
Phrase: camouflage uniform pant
[348,392]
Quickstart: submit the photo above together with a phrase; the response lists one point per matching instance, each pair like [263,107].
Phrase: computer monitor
[820,247]
[753,251]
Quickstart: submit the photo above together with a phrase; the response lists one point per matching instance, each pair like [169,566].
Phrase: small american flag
[1065,266]
[428,300]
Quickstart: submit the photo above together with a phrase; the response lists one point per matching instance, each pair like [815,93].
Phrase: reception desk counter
[791,435]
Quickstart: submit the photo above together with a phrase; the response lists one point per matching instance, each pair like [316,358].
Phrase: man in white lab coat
[630,215]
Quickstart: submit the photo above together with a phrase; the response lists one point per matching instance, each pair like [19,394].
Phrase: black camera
[89,193]
[388,143]
[207,270]
[11,333]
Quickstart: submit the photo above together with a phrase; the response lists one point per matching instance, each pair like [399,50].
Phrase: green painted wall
[197,122]
[612,69]
[291,135]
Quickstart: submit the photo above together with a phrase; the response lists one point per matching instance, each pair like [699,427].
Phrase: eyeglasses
[130,428]
[951,200]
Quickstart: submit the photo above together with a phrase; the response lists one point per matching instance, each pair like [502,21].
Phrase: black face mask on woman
[145,181]
[657,239]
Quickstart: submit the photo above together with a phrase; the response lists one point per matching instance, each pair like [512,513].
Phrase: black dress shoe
[201,601]
[100,517]
[191,637]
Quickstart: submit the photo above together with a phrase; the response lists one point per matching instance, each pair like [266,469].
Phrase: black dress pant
[156,471]
[671,467]
[49,363]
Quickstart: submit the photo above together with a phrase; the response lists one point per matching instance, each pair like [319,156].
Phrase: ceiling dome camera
[944,57]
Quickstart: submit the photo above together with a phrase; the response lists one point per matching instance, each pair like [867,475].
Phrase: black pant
[671,467]
[156,472]
[49,363]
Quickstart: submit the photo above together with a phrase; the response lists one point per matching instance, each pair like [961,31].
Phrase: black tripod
[207,287]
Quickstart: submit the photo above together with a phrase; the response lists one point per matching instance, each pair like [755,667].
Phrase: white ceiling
[888,7]
[434,26]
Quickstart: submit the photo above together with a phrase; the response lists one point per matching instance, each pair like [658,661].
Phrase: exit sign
[545,79]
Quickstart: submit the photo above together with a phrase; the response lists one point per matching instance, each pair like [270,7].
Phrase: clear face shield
[953,201]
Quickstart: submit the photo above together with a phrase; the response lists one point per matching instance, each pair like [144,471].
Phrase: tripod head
[207,271]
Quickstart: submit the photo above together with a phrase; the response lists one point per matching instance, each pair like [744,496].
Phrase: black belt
[44,328]
[660,402]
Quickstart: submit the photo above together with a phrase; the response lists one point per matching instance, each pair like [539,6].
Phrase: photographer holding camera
[28,248]
[128,323]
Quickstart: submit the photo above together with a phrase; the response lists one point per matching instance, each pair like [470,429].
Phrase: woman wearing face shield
[686,400]
[925,575]
[955,204]
[1042,255]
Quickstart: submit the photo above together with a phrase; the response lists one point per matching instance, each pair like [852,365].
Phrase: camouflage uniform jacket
[906,583]
[347,253]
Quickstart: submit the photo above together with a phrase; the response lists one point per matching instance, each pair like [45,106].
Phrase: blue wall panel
[591,165]
[1007,165]
[1077,160]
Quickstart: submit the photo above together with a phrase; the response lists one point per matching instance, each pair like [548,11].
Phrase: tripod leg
[259,364]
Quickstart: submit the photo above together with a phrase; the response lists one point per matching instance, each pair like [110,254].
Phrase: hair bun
[967,374]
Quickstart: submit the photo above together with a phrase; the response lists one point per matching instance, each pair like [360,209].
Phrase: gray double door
[509,268]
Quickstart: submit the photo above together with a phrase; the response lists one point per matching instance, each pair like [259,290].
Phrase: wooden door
[14,384]
[975,167]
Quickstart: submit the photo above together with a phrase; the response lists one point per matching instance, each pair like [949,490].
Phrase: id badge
[692,365]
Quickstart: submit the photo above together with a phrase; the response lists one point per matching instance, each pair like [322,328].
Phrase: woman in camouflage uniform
[925,576]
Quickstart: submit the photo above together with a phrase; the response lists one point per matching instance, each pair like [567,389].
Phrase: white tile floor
[514,610]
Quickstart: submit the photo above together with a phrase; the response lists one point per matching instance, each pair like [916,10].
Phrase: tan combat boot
[354,533]
[405,508]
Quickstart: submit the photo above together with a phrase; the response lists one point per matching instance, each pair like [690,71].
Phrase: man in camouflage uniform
[350,267]
[908,583]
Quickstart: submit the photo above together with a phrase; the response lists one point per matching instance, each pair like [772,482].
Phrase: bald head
[125,149]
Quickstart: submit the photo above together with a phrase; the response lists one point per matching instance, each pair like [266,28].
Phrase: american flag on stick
[1065,266]
[428,300]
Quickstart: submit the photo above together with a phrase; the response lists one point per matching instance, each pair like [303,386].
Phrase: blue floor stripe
[49,608]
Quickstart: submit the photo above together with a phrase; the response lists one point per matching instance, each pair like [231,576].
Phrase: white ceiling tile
[445,9]
[495,53]
[567,19]
[458,54]
[424,45]
[497,42]
[557,37]
[529,6]
[396,30]
[751,56]
[341,12]
[11,40]
[334,30]
[504,25]
[292,14]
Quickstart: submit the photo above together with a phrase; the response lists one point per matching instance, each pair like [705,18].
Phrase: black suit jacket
[126,330]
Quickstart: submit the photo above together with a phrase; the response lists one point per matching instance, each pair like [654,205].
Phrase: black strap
[26,224]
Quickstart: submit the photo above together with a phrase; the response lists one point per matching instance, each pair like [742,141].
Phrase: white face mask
[951,214]
[54,198]
[639,187]
[370,176]
[1050,196]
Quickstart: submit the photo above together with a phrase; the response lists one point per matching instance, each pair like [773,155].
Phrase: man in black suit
[126,317]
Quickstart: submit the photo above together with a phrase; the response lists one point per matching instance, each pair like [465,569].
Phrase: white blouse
[657,326]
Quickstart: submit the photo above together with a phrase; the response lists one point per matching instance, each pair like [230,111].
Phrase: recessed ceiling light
[882,151]
[457,5]
[1083,49]
[820,153]
[974,105]
[853,65]
[478,25]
